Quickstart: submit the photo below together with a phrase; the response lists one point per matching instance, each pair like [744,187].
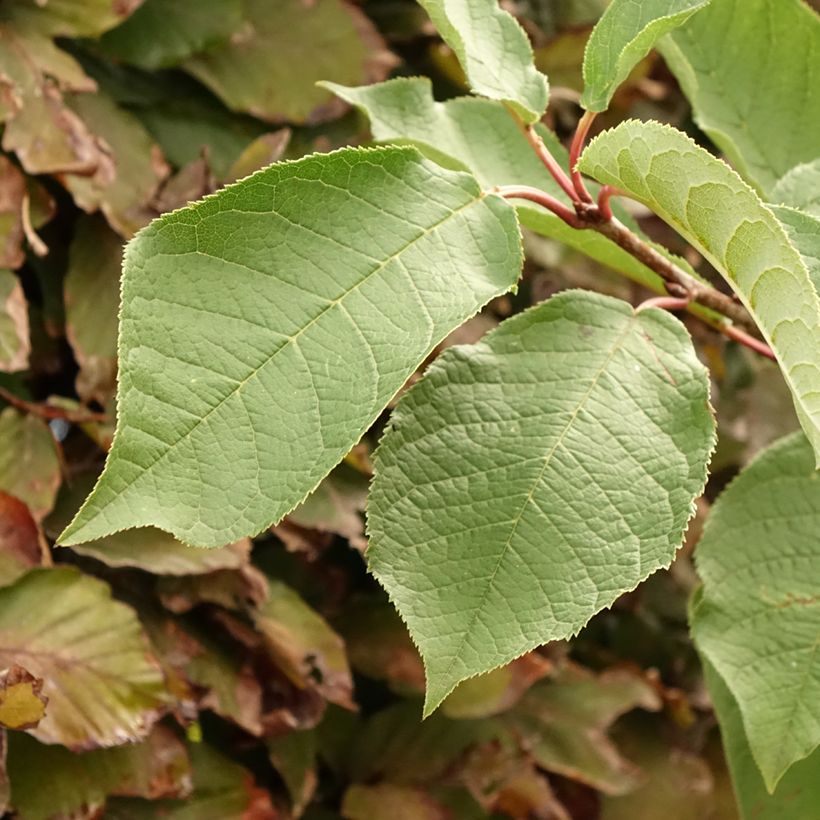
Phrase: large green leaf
[622,38]
[271,67]
[731,60]
[711,207]
[481,135]
[758,619]
[264,329]
[798,793]
[519,491]
[103,687]
[800,188]
[494,51]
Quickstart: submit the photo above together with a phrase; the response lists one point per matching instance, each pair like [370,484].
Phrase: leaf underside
[517,492]
[720,215]
[494,52]
[265,328]
[622,37]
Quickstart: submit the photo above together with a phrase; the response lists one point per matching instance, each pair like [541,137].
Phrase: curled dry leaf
[12,195]
[304,646]
[15,345]
[79,784]
[22,703]
[104,687]
[21,542]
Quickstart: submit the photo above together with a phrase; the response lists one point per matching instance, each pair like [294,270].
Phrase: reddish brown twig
[49,412]
[577,145]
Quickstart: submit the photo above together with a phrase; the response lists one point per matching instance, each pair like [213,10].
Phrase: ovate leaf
[494,51]
[800,188]
[102,685]
[758,618]
[730,60]
[518,490]
[714,210]
[264,329]
[622,38]
[798,792]
[21,544]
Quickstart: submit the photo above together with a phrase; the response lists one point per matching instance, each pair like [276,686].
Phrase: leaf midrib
[547,460]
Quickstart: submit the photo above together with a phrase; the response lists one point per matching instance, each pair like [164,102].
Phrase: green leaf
[622,38]
[102,685]
[758,618]
[800,188]
[803,231]
[68,18]
[29,466]
[731,60]
[163,33]
[255,72]
[51,781]
[481,135]
[494,52]
[15,345]
[798,792]
[498,518]
[713,209]
[387,801]
[344,271]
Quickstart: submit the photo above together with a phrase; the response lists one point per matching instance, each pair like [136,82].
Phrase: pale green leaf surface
[103,687]
[803,230]
[719,214]
[800,188]
[623,36]
[797,795]
[758,619]
[162,33]
[345,270]
[731,60]
[494,52]
[517,492]
[481,135]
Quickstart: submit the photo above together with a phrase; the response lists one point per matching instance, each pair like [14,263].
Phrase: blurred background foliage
[271,678]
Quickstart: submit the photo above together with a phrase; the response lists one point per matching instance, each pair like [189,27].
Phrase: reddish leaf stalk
[541,198]
[551,164]
[578,142]
[48,412]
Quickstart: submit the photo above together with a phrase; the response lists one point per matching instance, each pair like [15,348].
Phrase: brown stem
[48,412]
[551,164]
[541,198]
[678,282]
[578,141]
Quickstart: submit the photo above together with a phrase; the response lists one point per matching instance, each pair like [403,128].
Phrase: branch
[49,412]
[557,172]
